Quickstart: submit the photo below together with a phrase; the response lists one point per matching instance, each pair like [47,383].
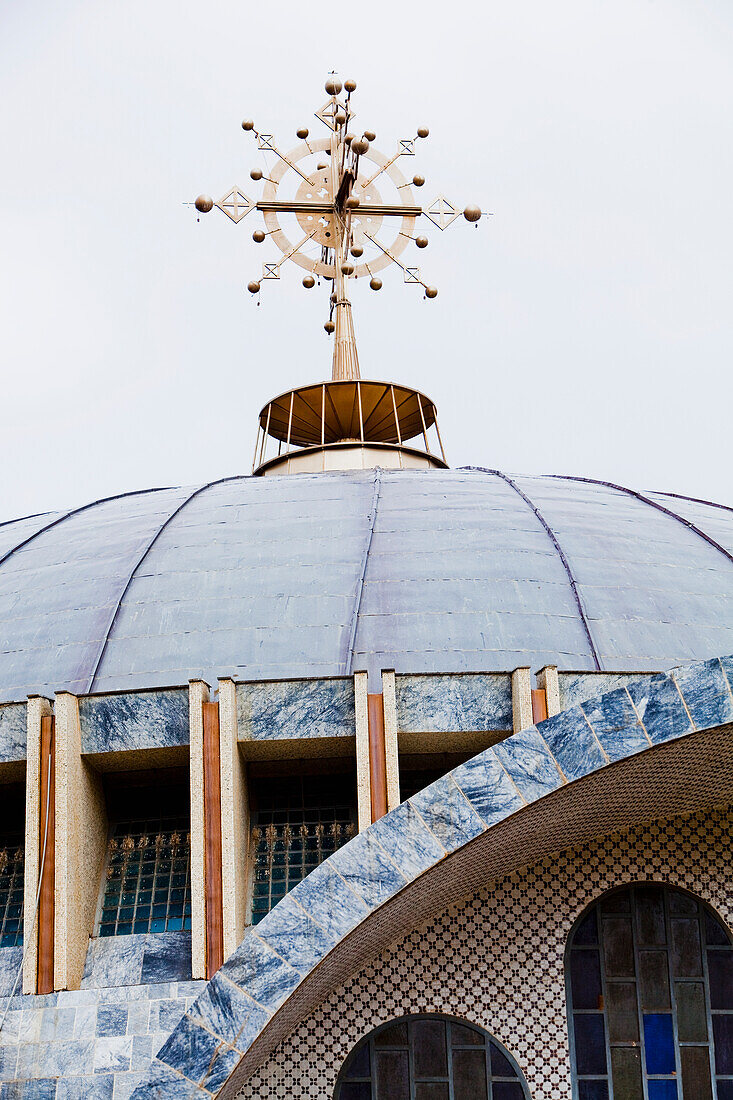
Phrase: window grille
[650,988]
[11,889]
[298,823]
[148,881]
[430,1058]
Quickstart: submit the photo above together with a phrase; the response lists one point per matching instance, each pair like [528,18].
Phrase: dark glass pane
[465,1036]
[592,1090]
[725,1090]
[432,1090]
[623,1017]
[681,904]
[393,1036]
[685,955]
[392,1075]
[585,979]
[692,1024]
[359,1066]
[696,1082]
[720,971]
[618,950]
[662,1090]
[715,934]
[626,1073]
[469,1075]
[352,1090]
[659,1042]
[500,1064]
[654,979]
[590,1044]
[587,930]
[507,1090]
[650,915]
[428,1048]
[723,1035]
[617,902]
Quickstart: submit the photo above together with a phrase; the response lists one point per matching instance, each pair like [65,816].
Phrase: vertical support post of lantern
[396,417]
[424,429]
[440,441]
[323,415]
[290,422]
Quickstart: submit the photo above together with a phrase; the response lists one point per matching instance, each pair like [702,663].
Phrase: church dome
[315,575]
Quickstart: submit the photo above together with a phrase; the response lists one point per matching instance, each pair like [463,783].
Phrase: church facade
[379,783]
[362,778]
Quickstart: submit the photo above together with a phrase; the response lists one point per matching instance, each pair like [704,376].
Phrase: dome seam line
[560,553]
[149,546]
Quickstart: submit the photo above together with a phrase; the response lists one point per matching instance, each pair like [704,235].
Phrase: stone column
[81,844]
[37,709]
[522,699]
[235,870]
[363,775]
[547,679]
[198,694]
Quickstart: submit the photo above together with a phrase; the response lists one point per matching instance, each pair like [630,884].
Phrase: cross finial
[327,191]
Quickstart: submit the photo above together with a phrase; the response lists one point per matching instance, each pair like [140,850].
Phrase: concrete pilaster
[37,708]
[81,843]
[235,871]
[522,699]
[198,694]
[547,679]
[363,773]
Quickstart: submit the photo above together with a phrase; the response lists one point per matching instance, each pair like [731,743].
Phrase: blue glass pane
[585,979]
[662,1090]
[590,1044]
[500,1064]
[359,1065]
[659,1042]
[507,1090]
[592,1090]
[723,1033]
[587,930]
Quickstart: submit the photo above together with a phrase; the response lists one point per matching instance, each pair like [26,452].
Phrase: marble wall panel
[144,959]
[454,703]
[134,720]
[272,710]
[12,732]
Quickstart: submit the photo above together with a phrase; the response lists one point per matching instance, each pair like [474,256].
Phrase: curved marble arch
[660,746]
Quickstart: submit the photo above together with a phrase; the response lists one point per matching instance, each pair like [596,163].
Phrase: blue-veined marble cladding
[453,703]
[13,728]
[134,720]
[576,687]
[272,710]
[142,959]
[10,959]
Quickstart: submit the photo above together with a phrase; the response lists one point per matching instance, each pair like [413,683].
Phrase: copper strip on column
[377,756]
[539,705]
[47,832]
[213,894]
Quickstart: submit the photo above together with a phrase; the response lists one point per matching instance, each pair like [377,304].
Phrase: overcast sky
[585,328]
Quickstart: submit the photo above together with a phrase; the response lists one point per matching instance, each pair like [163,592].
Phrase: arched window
[430,1058]
[650,990]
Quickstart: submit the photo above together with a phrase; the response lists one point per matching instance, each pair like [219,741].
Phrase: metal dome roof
[435,571]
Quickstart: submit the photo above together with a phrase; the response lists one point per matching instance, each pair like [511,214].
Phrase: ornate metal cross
[339,210]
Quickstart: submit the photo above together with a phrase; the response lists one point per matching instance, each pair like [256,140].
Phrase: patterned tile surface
[497,959]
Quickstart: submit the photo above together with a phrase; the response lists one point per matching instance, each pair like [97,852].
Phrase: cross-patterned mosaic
[497,959]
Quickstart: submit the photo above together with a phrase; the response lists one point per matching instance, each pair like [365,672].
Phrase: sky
[584,328]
